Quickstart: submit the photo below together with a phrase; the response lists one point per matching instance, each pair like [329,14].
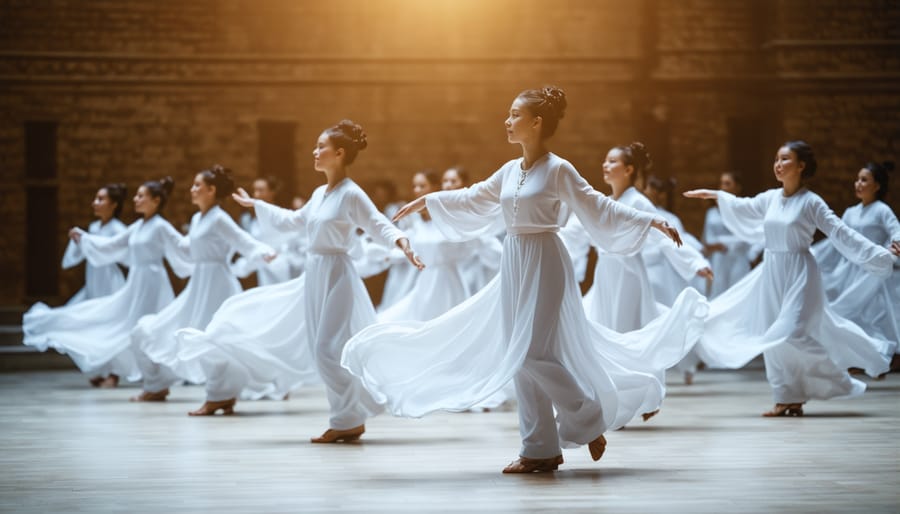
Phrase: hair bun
[355,133]
[640,155]
[168,184]
[555,99]
[888,166]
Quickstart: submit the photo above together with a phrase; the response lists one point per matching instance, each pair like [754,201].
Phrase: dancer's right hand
[708,194]
[670,231]
[75,234]
[242,198]
[414,206]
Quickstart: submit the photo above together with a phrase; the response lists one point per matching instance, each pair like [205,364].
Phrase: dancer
[664,278]
[484,265]
[780,308]
[99,280]
[95,332]
[853,292]
[334,302]
[289,260]
[729,256]
[528,324]
[212,238]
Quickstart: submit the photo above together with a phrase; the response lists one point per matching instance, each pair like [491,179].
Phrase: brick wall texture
[145,89]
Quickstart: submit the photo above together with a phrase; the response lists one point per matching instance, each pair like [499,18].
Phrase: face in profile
[520,123]
[102,205]
[202,194]
[325,155]
[615,171]
[865,186]
[144,203]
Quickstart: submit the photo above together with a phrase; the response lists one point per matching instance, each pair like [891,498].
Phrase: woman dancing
[528,325]
[780,308]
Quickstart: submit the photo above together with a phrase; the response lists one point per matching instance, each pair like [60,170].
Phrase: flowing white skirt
[154,336]
[438,289]
[95,333]
[256,344]
[463,357]
[779,309]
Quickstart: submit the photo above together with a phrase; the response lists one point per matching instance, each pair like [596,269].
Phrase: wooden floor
[68,448]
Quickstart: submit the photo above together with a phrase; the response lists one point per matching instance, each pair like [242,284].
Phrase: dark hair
[635,154]
[460,172]
[805,155]
[271,181]
[433,178]
[219,177]
[349,136]
[549,103]
[161,189]
[881,174]
[116,193]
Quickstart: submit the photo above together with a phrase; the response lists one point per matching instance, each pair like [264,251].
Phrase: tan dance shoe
[147,396]
[597,447]
[210,408]
[110,382]
[334,436]
[785,409]
[526,465]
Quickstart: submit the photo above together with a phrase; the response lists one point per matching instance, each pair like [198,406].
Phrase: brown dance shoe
[110,382]
[526,465]
[147,396]
[334,436]
[647,415]
[597,447]
[785,409]
[209,408]
[96,381]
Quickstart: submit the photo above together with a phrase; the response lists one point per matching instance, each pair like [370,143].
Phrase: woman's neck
[867,201]
[531,153]
[792,188]
[204,210]
[105,219]
[619,189]
[334,177]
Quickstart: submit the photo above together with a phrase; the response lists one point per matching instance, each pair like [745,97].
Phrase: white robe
[527,324]
[98,280]
[402,275]
[289,263]
[854,293]
[212,238]
[262,350]
[779,309]
[95,333]
[730,266]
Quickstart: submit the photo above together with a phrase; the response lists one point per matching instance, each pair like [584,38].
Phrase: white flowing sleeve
[364,213]
[176,248]
[105,250]
[613,227]
[889,220]
[468,213]
[743,217]
[686,259]
[73,256]
[252,251]
[279,218]
[852,245]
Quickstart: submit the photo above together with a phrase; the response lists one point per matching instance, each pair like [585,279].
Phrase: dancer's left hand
[895,248]
[670,231]
[706,273]
[403,244]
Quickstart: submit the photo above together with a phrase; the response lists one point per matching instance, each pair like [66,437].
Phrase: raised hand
[895,248]
[707,194]
[411,256]
[670,231]
[242,198]
[75,234]
[269,257]
[414,206]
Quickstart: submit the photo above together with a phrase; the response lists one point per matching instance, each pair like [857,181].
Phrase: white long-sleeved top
[98,280]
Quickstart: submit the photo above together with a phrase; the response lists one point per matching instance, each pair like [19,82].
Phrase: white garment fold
[98,280]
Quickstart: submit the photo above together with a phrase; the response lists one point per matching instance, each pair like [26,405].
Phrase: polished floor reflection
[69,448]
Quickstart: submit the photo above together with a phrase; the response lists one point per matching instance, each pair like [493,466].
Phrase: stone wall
[141,90]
